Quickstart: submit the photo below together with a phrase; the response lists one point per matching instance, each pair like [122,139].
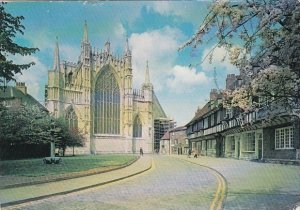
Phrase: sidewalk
[17,195]
[254,185]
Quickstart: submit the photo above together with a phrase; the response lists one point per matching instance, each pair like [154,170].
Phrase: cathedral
[95,96]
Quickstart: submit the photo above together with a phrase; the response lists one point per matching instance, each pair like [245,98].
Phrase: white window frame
[284,138]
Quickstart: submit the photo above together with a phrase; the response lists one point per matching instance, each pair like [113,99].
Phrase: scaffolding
[161,126]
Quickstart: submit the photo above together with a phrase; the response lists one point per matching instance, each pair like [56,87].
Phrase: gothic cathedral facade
[95,96]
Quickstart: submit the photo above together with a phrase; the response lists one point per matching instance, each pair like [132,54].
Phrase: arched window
[71,119]
[107,104]
[137,127]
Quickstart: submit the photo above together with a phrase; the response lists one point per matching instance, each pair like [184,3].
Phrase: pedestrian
[189,152]
[141,151]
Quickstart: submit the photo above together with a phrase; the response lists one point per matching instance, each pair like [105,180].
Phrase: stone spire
[147,77]
[107,47]
[85,33]
[127,50]
[56,66]
[147,86]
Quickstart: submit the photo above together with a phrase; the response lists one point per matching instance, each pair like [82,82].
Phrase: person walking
[189,152]
[141,151]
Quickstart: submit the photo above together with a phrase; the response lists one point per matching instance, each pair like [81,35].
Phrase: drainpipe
[262,145]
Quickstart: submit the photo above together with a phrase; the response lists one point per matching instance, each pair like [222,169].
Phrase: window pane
[282,138]
[277,139]
[107,104]
[137,127]
[287,137]
[292,137]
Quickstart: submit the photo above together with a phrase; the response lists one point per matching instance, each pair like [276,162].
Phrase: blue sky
[155,31]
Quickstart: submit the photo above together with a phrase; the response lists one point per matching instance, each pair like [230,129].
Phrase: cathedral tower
[55,86]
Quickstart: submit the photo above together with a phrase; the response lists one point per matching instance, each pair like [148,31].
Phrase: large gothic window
[107,104]
[137,127]
[71,119]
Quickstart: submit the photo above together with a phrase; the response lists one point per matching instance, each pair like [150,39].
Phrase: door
[259,141]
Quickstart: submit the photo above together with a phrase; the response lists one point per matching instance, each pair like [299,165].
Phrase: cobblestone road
[171,184]
[176,184]
[253,185]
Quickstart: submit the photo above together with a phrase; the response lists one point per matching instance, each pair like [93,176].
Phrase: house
[165,144]
[161,126]
[15,96]
[251,135]
[204,130]
[257,137]
[178,140]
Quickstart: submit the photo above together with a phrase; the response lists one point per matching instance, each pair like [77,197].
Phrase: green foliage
[31,125]
[65,137]
[25,124]
[10,26]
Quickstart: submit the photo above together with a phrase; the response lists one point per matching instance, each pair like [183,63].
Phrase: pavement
[170,184]
[253,185]
[23,194]
[221,183]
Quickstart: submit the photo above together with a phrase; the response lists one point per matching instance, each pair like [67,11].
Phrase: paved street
[254,185]
[171,184]
[174,183]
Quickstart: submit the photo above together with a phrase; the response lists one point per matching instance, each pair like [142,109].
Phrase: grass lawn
[36,167]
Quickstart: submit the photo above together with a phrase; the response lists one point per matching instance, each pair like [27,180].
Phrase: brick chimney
[230,81]
[22,87]
[213,94]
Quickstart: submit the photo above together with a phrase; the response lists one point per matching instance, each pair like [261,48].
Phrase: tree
[29,124]
[258,35]
[10,26]
[24,124]
[66,137]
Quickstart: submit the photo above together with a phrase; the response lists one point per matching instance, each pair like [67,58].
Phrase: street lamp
[52,144]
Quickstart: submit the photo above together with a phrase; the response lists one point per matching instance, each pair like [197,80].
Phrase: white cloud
[189,106]
[42,39]
[163,8]
[185,79]
[171,8]
[187,11]
[34,77]
[218,61]
[119,30]
[159,47]
[68,52]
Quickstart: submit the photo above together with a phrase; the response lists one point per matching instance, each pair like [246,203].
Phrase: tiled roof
[158,111]
[12,93]
[180,128]
[201,112]
[166,136]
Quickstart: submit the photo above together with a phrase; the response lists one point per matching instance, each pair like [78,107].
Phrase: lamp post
[52,144]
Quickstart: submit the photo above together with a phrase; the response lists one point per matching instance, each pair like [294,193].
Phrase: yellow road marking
[222,194]
[219,195]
